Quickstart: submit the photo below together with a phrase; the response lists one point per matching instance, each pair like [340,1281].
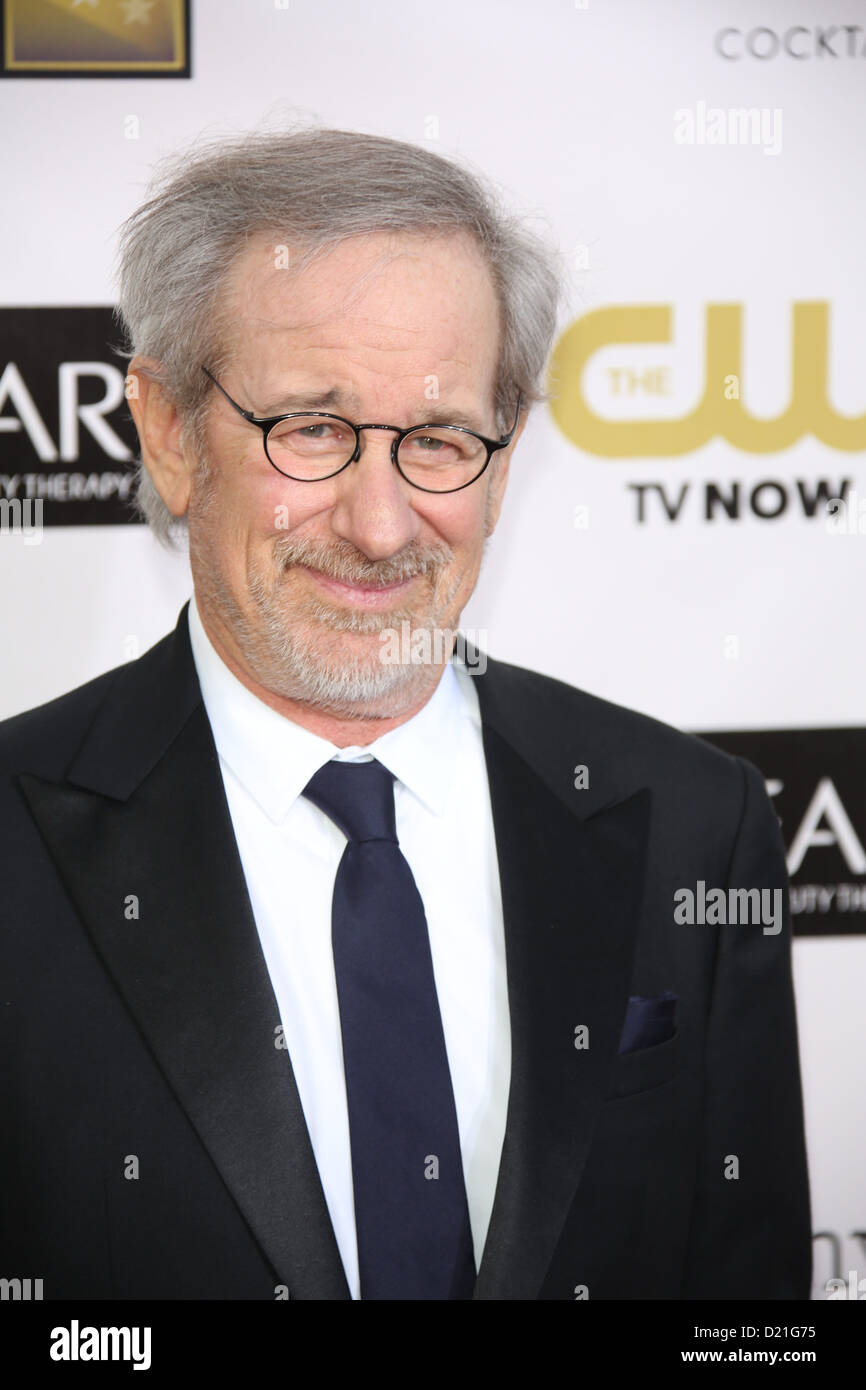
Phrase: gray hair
[207,203]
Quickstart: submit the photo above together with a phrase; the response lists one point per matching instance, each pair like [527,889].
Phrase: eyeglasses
[312,445]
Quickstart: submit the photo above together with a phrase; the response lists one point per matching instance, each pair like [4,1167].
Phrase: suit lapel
[143,814]
[571,888]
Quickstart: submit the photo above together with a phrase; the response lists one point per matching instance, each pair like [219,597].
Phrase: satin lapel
[144,815]
[571,891]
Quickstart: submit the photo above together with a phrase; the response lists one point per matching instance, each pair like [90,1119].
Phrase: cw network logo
[721,413]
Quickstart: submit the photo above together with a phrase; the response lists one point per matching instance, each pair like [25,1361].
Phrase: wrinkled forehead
[400,292]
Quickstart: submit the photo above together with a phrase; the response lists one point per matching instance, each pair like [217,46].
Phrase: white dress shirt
[290,851]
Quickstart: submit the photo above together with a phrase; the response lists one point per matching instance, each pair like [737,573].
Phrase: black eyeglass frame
[266,425]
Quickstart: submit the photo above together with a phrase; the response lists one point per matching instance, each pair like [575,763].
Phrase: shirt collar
[274,758]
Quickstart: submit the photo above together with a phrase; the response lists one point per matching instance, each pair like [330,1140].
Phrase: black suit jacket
[139,1022]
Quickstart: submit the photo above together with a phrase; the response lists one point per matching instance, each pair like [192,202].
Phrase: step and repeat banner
[685,530]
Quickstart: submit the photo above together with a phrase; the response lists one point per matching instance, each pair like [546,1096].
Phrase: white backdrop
[575,109]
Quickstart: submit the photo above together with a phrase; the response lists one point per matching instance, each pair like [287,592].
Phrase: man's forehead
[434,263]
[415,340]
[330,348]
[436,333]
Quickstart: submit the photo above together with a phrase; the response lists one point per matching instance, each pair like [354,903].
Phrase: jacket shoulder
[55,723]
[557,721]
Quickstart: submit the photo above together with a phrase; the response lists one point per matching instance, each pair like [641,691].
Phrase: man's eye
[310,430]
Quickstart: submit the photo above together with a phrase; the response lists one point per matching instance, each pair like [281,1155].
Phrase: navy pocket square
[648,1021]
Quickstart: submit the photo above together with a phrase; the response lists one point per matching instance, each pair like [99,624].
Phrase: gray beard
[307,663]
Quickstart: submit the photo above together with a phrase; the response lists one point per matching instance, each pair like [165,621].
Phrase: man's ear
[159,431]
[496,489]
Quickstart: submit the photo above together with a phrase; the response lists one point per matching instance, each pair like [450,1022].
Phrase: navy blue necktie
[411,1215]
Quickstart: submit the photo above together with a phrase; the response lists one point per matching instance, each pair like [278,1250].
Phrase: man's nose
[374,508]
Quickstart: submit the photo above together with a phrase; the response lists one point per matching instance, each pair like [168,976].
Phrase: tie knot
[358,798]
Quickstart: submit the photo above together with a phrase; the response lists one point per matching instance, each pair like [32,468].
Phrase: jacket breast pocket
[633,1073]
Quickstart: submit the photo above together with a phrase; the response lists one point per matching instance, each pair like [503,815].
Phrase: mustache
[343,561]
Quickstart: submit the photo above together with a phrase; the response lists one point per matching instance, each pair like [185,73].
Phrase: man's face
[298,581]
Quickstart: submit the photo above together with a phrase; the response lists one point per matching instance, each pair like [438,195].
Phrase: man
[336,967]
